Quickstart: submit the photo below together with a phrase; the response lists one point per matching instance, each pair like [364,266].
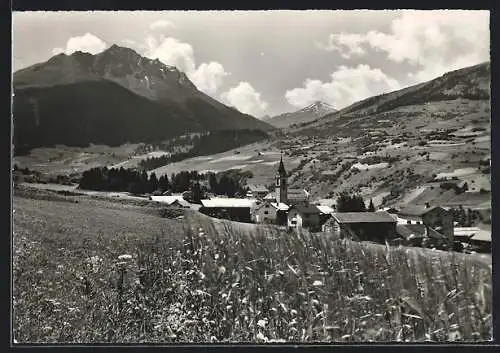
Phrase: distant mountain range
[470,83]
[305,115]
[113,97]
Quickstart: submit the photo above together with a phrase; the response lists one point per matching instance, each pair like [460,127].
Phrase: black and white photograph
[253,177]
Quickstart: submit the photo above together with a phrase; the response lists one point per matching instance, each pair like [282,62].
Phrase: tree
[153,182]
[196,193]
[371,207]
[350,203]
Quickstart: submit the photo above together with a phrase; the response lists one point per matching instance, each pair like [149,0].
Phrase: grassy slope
[229,282]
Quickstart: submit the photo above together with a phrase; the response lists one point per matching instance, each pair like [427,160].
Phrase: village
[424,224]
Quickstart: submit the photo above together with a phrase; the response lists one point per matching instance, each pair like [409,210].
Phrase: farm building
[228,208]
[269,212]
[304,217]
[256,191]
[171,200]
[375,226]
[475,238]
[433,217]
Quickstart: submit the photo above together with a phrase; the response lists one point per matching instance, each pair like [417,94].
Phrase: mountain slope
[471,83]
[305,115]
[161,99]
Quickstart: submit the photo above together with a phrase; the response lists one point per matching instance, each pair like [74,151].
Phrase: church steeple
[281,183]
[281,168]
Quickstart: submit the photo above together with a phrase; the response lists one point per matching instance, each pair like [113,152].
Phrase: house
[375,226]
[300,216]
[474,238]
[256,191]
[433,217]
[298,197]
[270,213]
[229,208]
[171,200]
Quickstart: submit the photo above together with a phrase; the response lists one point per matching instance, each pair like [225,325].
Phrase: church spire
[281,168]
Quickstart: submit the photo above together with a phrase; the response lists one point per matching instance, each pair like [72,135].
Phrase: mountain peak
[318,107]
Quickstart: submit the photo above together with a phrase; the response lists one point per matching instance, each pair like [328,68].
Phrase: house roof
[297,195]
[325,209]
[171,199]
[416,210]
[309,209]
[223,202]
[363,217]
[257,188]
[281,206]
[410,230]
[270,196]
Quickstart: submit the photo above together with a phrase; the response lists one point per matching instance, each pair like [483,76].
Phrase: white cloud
[57,51]
[129,42]
[433,41]
[171,51]
[246,99]
[347,85]
[345,43]
[207,77]
[87,43]
[161,25]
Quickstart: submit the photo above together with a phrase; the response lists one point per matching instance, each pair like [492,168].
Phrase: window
[408,222]
[266,212]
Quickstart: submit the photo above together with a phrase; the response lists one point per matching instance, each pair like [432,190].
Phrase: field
[88,269]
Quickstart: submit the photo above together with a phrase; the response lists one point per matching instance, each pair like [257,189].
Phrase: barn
[372,226]
[228,208]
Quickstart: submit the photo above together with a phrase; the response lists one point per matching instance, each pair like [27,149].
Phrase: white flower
[262,323]
[125,257]
[261,337]
[317,283]
[222,270]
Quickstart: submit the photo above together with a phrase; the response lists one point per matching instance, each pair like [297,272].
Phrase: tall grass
[229,283]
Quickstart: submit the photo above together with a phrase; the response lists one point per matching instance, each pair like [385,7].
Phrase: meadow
[98,271]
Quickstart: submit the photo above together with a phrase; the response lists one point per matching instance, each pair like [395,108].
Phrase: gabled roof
[171,200]
[363,217]
[325,209]
[270,196]
[410,230]
[257,188]
[416,210]
[309,209]
[281,206]
[224,202]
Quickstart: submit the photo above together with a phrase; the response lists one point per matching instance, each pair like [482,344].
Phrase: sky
[271,62]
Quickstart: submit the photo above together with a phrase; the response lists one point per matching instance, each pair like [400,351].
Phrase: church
[275,207]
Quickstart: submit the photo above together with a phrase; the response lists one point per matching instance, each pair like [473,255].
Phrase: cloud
[207,77]
[345,43]
[347,85]
[87,43]
[161,25]
[433,41]
[129,42]
[171,51]
[57,51]
[246,99]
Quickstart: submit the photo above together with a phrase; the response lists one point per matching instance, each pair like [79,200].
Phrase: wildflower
[261,337]
[262,323]
[293,312]
[125,257]
[317,283]
[222,270]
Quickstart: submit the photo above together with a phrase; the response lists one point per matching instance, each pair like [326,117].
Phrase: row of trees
[138,182]
[353,203]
